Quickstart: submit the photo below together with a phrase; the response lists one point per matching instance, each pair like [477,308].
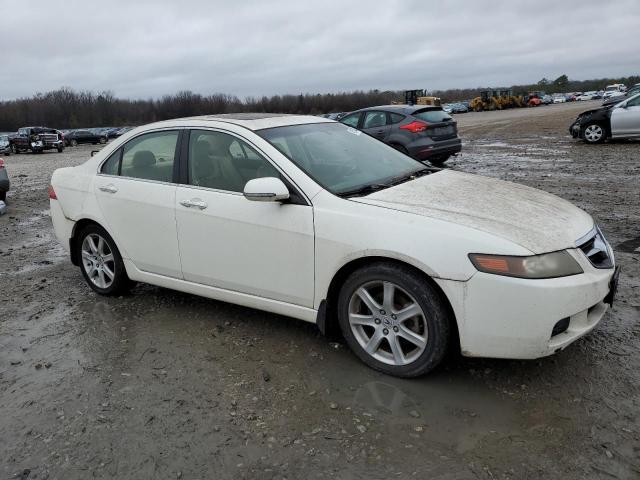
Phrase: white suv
[309,218]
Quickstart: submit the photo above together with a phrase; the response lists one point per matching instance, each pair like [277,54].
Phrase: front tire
[393,320]
[594,133]
[103,140]
[73,143]
[101,263]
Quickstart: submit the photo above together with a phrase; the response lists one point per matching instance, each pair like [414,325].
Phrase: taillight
[52,193]
[415,127]
[1,162]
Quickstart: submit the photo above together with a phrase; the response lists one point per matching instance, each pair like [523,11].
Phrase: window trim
[184,165]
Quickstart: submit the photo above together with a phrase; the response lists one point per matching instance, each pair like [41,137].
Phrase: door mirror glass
[266,189]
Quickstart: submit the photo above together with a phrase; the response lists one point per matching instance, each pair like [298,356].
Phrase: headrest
[143,158]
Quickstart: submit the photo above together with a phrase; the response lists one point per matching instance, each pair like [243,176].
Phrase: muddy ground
[161,384]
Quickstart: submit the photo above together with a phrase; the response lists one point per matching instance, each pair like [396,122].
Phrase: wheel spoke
[358,319]
[86,255]
[408,312]
[389,293]
[92,245]
[108,272]
[107,258]
[102,281]
[368,300]
[396,350]
[101,245]
[374,342]
[411,336]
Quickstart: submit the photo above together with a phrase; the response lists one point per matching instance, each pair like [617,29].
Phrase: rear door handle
[194,202]
[108,188]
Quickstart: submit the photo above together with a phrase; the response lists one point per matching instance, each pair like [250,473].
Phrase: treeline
[66,108]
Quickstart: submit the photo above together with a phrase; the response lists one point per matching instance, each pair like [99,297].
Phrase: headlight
[548,265]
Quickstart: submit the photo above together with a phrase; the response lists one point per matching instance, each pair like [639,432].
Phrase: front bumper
[504,317]
[574,129]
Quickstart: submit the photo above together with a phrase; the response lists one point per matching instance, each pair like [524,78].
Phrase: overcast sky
[144,48]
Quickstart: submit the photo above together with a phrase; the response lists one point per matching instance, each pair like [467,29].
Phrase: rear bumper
[62,226]
[503,317]
[424,149]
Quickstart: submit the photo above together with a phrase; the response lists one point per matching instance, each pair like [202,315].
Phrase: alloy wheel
[593,133]
[388,323]
[98,260]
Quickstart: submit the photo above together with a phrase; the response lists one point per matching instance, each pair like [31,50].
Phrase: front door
[136,195]
[226,241]
[625,122]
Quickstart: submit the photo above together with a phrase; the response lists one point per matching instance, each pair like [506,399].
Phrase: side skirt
[229,296]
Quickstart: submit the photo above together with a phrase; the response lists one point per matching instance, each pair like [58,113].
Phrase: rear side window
[112,165]
[432,116]
[150,156]
[396,118]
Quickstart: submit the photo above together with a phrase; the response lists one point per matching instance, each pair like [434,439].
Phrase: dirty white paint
[536,220]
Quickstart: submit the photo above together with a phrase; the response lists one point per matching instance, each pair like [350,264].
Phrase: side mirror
[266,189]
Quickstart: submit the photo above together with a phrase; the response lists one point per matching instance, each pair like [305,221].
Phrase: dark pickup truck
[36,140]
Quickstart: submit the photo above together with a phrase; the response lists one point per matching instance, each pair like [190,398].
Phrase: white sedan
[309,218]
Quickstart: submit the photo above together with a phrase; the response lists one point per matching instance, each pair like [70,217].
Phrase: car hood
[535,220]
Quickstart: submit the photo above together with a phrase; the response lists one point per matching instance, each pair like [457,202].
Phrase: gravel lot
[161,384]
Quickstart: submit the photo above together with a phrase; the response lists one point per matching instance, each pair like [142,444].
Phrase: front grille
[596,249]
[49,137]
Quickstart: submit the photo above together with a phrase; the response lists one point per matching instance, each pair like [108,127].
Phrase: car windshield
[342,159]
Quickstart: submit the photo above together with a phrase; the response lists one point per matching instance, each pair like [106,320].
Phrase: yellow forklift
[420,97]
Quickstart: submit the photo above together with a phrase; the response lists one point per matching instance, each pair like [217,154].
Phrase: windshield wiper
[411,176]
[364,190]
[374,187]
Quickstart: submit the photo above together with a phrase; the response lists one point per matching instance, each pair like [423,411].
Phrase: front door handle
[111,188]
[194,202]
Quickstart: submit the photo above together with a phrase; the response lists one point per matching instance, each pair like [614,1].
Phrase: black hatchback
[422,132]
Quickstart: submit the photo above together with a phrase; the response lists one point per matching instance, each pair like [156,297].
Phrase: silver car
[621,120]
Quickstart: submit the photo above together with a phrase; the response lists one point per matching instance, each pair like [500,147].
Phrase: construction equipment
[419,97]
[496,99]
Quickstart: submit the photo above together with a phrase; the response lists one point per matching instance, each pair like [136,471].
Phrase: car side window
[112,165]
[374,119]
[150,156]
[396,118]
[634,103]
[224,162]
[351,120]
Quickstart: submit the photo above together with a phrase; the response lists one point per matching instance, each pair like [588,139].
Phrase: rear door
[376,124]
[136,195]
[625,122]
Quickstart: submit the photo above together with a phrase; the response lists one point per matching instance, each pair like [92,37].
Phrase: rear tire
[594,133]
[3,196]
[103,140]
[438,162]
[100,262]
[73,143]
[393,320]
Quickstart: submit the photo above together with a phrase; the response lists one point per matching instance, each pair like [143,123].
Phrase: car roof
[406,109]
[251,121]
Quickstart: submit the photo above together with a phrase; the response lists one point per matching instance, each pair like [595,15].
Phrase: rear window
[432,116]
